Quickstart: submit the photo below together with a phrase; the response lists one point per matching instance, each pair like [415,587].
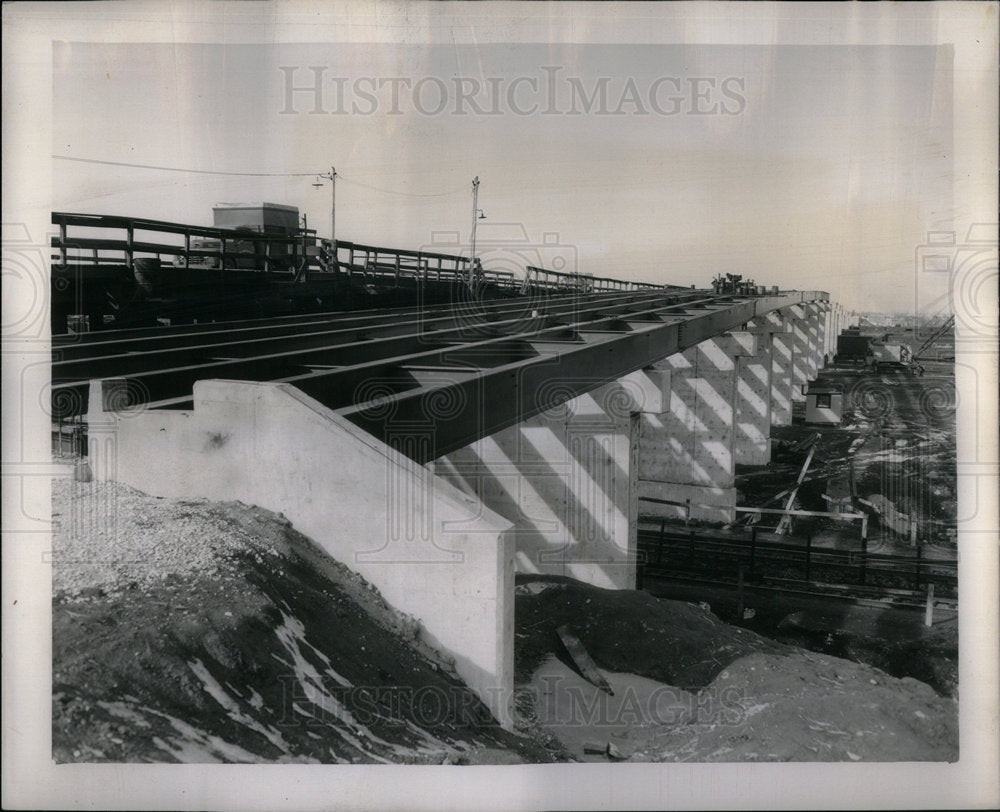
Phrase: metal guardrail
[583,283]
[237,249]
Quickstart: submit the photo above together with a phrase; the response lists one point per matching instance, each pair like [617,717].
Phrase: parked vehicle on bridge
[257,253]
[238,254]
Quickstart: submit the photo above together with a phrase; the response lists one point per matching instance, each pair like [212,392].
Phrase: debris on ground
[583,662]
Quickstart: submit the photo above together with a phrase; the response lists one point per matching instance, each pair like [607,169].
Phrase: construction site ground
[898,433]
[190,631]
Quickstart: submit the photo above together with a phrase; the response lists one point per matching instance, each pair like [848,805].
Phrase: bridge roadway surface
[427,380]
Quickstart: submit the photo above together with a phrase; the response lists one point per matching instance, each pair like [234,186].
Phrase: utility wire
[397,192]
[192,171]
[256,175]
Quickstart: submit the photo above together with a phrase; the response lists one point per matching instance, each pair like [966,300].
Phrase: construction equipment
[919,354]
[891,356]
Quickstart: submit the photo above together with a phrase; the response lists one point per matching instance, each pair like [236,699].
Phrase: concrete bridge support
[687,454]
[752,445]
[831,330]
[433,552]
[813,323]
[822,309]
[782,383]
[839,322]
[567,479]
[773,332]
[808,355]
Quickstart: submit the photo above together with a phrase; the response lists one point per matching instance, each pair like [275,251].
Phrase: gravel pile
[109,537]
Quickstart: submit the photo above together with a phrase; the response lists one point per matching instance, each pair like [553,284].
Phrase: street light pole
[333,209]
[475,213]
[332,177]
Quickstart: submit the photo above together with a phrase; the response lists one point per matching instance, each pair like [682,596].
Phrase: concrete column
[688,452]
[753,404]
[835,327]
[775,330]
[782,383]
[824,332]
[830,331]
[568,481]
[800,351]
[106,398]
[812,323]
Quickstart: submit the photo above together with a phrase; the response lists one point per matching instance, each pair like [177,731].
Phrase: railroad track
[791,565]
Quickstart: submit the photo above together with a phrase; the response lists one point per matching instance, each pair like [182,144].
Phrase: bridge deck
[429,379]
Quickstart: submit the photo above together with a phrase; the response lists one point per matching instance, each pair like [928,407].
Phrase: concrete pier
[752,444]
[567,480]
[687,454]
[776,329]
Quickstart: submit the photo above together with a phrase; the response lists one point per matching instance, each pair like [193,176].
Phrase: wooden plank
[786,522]
[582,660]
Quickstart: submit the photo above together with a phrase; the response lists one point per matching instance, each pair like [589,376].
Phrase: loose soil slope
[190,631]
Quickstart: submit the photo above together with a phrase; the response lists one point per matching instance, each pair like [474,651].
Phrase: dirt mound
[677,643]
[687,687]
[191,631]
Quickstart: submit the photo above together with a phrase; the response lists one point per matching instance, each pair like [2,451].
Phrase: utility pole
[332,177]
[475,217]
[333,210]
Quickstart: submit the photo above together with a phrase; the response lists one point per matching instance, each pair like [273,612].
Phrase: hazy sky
[819,167]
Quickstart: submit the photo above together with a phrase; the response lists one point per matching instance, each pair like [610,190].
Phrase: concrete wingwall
[432,551]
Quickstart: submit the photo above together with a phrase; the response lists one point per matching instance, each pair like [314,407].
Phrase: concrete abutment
[432,551]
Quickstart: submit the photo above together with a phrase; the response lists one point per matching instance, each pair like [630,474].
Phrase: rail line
[720,559]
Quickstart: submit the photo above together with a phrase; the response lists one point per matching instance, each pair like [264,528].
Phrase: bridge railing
[543,279]
[92,244]
[372,264]
[98,241]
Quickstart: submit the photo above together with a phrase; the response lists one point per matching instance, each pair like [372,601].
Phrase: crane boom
[934,337]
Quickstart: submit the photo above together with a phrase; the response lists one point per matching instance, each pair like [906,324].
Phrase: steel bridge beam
[432,400]
[158,375]
[426,423]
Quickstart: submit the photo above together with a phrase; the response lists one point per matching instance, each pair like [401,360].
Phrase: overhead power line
[401,193]
[255,175]
[191,171]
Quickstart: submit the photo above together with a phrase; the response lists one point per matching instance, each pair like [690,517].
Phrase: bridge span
[434,449]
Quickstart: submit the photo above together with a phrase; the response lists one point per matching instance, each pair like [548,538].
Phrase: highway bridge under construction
[492,423]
